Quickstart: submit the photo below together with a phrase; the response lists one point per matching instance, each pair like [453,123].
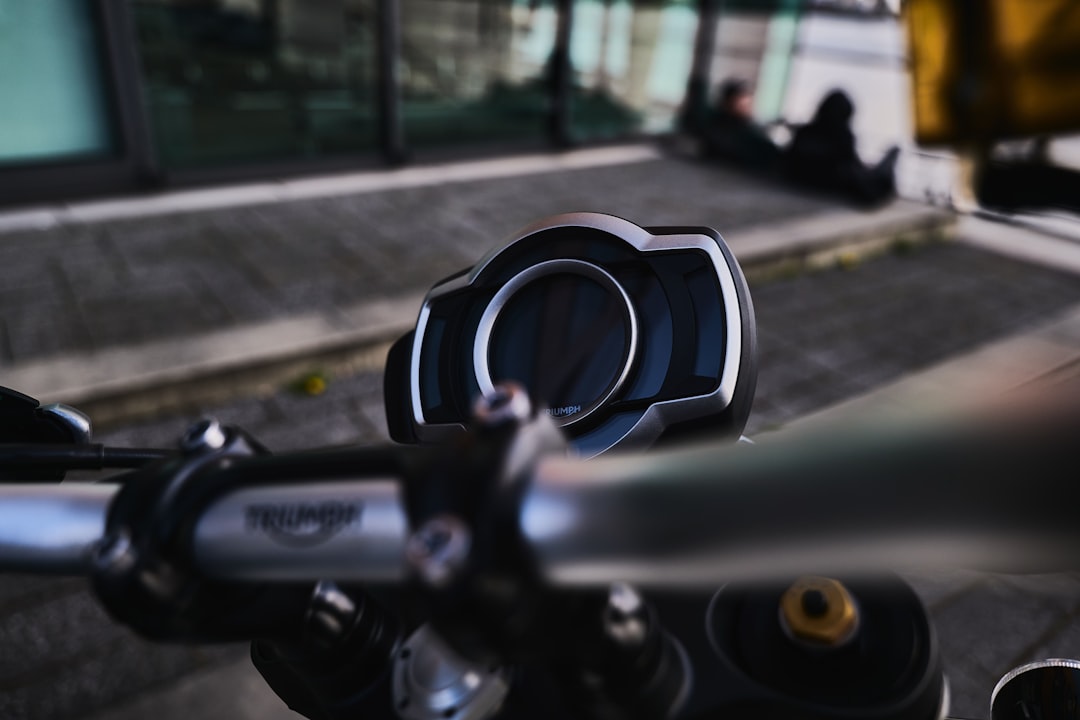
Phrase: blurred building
[116,96]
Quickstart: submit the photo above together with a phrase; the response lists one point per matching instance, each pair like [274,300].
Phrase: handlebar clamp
[467,556]
[142,570]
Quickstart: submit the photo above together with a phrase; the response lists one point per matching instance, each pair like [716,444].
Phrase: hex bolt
[819,611]
[330,615]
[624,600]
[509,403]
[204,436]
[625,616]
[439,550]
[114,554]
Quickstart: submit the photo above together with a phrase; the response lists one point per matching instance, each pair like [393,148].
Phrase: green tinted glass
[259,80]
[631,61]
[475,70]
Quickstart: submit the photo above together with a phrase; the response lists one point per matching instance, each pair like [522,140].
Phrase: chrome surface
[946,700]
[115,553]
[51,528]
[662,414]
[508,402]
[77,422]
[438,550]
[330,614]
[207,434]
[426,431]
[481,345]
[431,682]
[625,619]
[1049,686]
[704,516]
[345,530]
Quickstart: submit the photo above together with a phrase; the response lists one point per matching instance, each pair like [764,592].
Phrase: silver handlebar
[996,492]
[626,522]
[999,498]
[50,529]
[348,531]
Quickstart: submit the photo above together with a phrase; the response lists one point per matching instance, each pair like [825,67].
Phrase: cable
[76,457]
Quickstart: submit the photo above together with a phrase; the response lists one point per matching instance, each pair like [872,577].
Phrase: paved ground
[89,286]
[825,337]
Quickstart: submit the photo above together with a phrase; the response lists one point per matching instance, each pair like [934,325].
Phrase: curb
[130,383]
[133,383]
[270,192]
[841,239]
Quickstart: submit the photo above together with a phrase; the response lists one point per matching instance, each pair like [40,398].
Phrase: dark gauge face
[564,330]
[565,338]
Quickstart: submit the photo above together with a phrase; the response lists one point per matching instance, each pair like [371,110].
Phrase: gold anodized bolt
[819,610]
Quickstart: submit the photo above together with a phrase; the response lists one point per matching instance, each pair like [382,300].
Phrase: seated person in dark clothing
[731,133]
[822,155]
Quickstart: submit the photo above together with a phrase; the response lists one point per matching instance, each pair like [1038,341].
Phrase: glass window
[51,76]
[475,70]
[236,81]
[631,62]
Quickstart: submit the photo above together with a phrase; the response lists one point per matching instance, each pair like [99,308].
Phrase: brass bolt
[819,610]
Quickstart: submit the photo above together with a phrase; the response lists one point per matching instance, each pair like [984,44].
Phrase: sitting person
[731,135]
[822,155]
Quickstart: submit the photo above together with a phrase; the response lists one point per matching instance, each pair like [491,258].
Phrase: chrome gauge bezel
[548,268]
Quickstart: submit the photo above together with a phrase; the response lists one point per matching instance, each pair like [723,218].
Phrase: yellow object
[820,610]
[848,260]
[983,70]
[314,385]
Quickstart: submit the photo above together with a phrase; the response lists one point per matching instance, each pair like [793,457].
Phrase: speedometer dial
[564,329]
[621,332]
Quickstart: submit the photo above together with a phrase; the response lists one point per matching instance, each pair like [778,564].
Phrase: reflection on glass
[53,102]
[475,70]
[631,60]
[233,81]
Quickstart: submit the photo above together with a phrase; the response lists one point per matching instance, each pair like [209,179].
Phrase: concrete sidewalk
[128,308]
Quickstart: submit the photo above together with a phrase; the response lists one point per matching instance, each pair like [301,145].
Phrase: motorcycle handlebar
[304,531]
[992,498]
[50,529]
[997,495]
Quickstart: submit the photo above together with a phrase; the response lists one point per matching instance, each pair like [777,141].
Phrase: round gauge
[565,330]
[625,335]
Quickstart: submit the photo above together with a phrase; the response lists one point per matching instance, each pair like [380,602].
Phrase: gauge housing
[625,335]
